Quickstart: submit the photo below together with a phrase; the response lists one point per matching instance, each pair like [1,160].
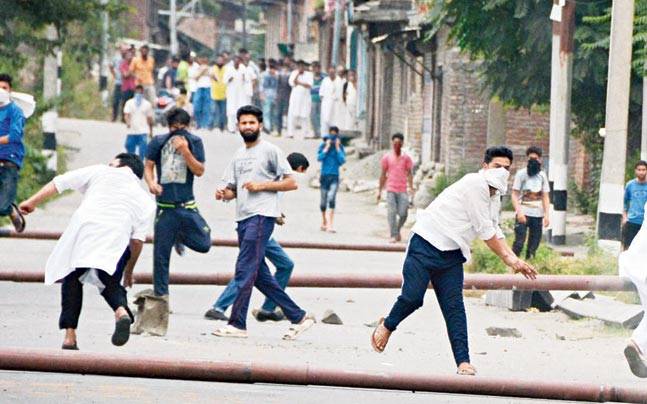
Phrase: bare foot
[393,240]
[380,337]
[466,369]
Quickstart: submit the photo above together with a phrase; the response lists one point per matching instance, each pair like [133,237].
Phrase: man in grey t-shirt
[530,192]
[257,173]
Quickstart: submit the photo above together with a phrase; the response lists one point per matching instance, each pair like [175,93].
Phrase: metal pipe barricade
[382,281]
[251,372]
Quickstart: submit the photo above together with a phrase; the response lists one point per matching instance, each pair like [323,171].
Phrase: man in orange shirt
[142,67]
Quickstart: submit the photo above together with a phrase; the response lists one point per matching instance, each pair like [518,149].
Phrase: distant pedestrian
[138,113]
[128,80]
[255,176]
[182,74]
[282,95]
[101,243]
[169,81]
[274,254]
[300,102]
[397,176]
[172,162]
[12,152]
[115,63]
[142,67]
[315,111]
[330,92]
[635,198]
[202,97]
[348,119]
[530,200]
[269,87]
[238,83]
[332,155]
[441,243]
[219,94]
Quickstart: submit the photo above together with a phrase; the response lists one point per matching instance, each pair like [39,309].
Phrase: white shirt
[238,88]
[114,210]
[300,98]
[462,212]
[203,81]
[138,116]
[192,84]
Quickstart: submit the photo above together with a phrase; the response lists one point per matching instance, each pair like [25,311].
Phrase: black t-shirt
[173,174]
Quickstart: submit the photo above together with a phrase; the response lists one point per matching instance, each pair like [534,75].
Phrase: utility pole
[643,137]
[172,22]
[103,69]
[245,24]
[612,178]
[336,34]
[289,21]
[560,116]
[51,90]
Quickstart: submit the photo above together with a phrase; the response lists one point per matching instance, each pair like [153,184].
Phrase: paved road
[552,347]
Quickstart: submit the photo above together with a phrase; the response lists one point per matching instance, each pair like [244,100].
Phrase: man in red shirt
[127,77]
[396,174]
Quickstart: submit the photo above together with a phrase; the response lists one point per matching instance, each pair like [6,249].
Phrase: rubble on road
[503,332]
[603,308]
[330,317]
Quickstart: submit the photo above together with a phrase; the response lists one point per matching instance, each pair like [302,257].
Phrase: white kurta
[330,93]
[238,89]
[300,98]
[348,115]
[632,264]
[114,210]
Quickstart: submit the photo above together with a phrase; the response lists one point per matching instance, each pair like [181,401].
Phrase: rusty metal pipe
[40,360]
[383,281]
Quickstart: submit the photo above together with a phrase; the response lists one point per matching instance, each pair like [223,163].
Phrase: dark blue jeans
[136,142]
[329,184]
[424,263]
[8,189]
[219,113]
[202,108]
[171,225]
[284,266]
[252,270]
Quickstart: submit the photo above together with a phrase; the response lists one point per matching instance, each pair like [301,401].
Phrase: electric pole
[51,90]
[289,22]
[103,70]
[560,116]
[612,178]
[336,34]
[172,22]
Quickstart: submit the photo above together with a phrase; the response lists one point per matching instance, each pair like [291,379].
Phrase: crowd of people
[296,97]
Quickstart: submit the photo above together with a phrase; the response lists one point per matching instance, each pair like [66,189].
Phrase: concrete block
[608,310]
[513,300]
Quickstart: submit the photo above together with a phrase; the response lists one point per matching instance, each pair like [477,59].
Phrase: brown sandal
[374,342]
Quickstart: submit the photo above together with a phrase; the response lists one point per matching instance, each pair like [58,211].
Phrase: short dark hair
[534,149]
[175,59]
[177,116]
[139,87]
[250,110]
[297,160]
[397,136]
[641,163]
[243,51]
[6,78]
[133,162]
[315,63]
[144,46]
[497,151]
[333,129]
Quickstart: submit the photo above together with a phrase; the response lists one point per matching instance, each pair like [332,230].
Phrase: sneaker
[213,314]
[179,248]
[264,315]
[297,329]
[230,331]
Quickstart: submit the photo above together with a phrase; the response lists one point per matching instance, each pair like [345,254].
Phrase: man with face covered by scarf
[172,161]
[255,176]
[440,244]
[530,191]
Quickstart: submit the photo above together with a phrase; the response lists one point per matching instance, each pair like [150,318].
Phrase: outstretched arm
[44,193]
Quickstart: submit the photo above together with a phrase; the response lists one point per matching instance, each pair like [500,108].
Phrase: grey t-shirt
[261,163]
[531,191]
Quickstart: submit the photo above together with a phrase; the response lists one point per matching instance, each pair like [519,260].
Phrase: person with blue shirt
[12,152]
[276,255]
[634,204]
[269,88]
[172,162]
[331,154]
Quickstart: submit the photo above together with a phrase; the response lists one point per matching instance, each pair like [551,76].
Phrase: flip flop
[71,347]
[19,220]
[373,342]
[122,331]
[636,362]
[468,371]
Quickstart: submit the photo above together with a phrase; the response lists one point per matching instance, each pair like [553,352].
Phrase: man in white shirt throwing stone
[102,241]
[440,244]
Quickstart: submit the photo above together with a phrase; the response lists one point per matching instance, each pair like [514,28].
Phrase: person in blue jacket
[12,152]
[331,154]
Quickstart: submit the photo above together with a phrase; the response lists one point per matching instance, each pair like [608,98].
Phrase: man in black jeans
[114,217]
[12,152]
[530,192]
[172,161]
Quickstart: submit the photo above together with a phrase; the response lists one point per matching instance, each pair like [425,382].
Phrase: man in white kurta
[632,264]
[301,81]
[330,92]
[103,240]
[239,89]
